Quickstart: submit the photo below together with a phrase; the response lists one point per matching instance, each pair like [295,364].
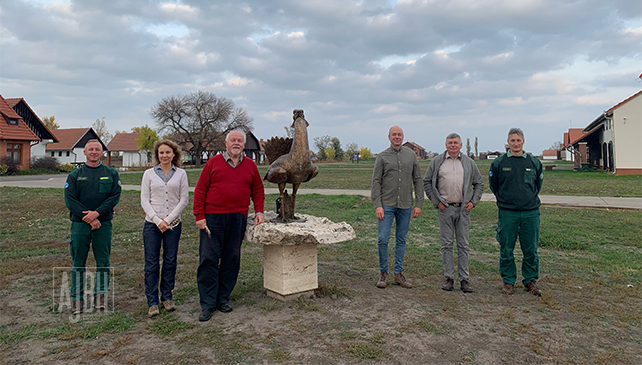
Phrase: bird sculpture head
[298,113]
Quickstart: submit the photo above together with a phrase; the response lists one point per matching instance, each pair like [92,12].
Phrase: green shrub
[3,169]
[12,166]
[67,167]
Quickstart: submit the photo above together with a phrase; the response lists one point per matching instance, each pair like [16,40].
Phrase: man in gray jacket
[454,185]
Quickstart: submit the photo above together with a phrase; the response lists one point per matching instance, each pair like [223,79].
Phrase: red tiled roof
[600,119]
[68,138]
[123,142]
[45,132]
[623,102]
[549,153]
[584,135]
[574,134]
[18,132]
[13,101]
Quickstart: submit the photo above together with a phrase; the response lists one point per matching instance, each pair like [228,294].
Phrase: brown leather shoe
[99,302]
[465,286]
[508,289]
[382,283]
[169,305]
[401,280]
[448,284]
[153,311]
[533,288]
[77,307]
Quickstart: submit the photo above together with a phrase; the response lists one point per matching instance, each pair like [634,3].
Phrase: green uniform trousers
[81,237]
[510,224]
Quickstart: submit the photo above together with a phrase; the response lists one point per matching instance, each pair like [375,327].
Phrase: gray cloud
[433,67]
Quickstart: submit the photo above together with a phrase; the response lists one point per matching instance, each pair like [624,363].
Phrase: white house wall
[627,130]
[39,149]
[76,155]
[134,159]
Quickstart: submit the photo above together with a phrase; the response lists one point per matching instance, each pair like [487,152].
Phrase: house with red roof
[71,144]
[573,134]
[550,155]
[126,144]
[417,149]
[16,137]
[20,106]
[611,142]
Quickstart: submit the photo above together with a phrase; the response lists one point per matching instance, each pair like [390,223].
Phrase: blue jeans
[152,237]
[402,219]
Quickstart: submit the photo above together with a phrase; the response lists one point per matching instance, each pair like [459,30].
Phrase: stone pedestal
[290,271]
[290,252]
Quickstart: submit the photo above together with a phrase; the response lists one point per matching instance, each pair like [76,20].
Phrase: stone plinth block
[290,269]
[315,230]
[290,251]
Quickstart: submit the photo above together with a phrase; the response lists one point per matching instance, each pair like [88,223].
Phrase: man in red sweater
[221,201]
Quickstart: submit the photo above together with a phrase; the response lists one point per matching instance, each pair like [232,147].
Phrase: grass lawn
[556,182]
[591,274]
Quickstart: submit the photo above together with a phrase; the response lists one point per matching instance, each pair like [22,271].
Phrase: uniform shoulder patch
[490,173]
[66,185]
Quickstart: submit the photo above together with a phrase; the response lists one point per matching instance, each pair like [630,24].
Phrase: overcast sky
[432,67]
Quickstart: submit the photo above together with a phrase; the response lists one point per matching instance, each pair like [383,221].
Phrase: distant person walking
[221,201]
[516,180]
[454,185]
[164,194]
[91,193]
[396,171]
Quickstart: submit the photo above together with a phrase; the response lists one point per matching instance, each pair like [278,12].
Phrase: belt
[455,204]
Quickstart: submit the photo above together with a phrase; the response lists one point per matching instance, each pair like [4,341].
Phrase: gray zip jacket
[473,183]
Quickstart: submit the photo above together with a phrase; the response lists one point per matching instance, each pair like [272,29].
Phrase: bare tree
[200,119]
[100,128]
[557,146]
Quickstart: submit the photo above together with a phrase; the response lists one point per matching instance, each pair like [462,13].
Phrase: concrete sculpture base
[290,252]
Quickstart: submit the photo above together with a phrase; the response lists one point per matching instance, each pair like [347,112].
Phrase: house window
[67,153]
[59,153]
[53,154]
[12,121]
[13,151]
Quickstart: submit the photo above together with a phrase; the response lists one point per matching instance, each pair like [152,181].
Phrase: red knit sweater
[222,188]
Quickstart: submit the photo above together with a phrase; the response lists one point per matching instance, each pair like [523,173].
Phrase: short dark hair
[178,155]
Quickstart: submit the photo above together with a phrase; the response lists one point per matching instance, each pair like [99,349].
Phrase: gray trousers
[454,222]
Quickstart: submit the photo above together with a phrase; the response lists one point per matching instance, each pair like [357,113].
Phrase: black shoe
[225,307]
[206,314]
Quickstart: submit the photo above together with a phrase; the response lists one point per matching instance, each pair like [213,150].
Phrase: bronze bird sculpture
[294,167]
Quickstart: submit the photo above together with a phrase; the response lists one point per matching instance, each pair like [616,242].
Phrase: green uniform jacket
[92,188]
[516,181]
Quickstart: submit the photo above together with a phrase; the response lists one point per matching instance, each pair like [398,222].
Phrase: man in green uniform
[91,192]
[516,179]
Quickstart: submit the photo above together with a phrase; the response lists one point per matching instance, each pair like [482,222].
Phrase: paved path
[58,181]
